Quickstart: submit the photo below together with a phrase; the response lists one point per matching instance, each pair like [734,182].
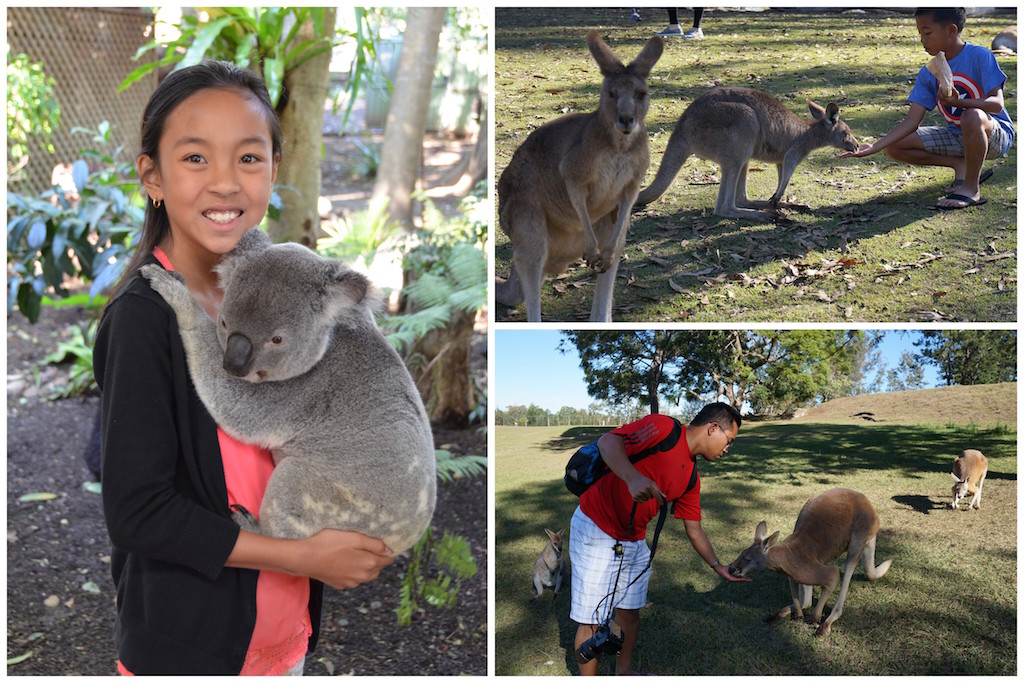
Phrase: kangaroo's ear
[955,478]
[770,541]
[605,58]
[648,57]
[760,532]
[832,113]
[817,111]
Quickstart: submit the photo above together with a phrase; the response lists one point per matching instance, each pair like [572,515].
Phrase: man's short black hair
[945,15]
[722,413]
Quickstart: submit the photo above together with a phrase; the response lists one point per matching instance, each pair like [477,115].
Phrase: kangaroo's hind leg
[733,172]
[976,500]
[529,254]
[853,556]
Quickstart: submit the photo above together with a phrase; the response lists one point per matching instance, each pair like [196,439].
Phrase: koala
[295,363]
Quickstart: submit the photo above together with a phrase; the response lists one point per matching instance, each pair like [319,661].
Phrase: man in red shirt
[602,540]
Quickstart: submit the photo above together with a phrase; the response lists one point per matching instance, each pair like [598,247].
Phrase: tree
[407,118]
[619,366]
[971,356]
[909,374]
[298,176]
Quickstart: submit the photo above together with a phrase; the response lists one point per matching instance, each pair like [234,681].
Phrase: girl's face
[935,37]
[216,170]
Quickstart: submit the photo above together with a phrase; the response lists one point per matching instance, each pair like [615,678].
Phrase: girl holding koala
[196,594]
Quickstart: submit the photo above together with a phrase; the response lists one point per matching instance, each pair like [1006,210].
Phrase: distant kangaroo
[570,186]
[969,472]
[837,521]
[731,126]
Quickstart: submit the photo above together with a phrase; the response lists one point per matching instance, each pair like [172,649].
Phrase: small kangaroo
[969,472]
[570,186]
[837,521]
[547,570]
[731,126]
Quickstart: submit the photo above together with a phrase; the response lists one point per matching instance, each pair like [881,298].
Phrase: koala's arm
[144,512]
[243,409]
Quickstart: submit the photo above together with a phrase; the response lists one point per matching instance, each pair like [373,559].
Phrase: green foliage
[77,351]
[32,110]
[450,467]
[447,562]
[255,38]
[449,271]
[359,237]
[53,235]
[971,356]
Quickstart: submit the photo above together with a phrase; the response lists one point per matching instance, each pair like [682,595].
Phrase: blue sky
[528,368]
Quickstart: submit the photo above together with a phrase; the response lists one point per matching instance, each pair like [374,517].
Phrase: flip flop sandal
[985,175]
[968,202]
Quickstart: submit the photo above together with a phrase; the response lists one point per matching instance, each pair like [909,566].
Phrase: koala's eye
[277,340]
[223,324]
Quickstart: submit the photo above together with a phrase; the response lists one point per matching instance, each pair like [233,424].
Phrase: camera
[607,640]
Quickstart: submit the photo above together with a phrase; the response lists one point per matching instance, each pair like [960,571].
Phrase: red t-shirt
[608,502]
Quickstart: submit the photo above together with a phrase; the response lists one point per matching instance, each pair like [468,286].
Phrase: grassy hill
[947,606]
[982,405]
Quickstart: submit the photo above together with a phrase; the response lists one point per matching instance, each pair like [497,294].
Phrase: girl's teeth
[222,216]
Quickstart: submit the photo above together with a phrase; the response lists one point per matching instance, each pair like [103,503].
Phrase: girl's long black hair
[172,91]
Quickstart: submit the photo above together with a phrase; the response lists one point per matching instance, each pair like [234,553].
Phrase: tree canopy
[971,356]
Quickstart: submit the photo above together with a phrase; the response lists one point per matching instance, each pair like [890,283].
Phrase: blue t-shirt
[975,74]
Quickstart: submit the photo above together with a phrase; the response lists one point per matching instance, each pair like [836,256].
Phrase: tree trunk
[472,168]
[298,177]
[447,382]
[403,129]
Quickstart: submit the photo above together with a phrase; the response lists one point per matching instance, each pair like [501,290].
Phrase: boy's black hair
[722,413]
[945,15]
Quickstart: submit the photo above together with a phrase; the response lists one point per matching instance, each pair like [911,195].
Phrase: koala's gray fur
[295,363]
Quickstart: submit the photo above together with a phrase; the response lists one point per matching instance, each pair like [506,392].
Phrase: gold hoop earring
[157,203]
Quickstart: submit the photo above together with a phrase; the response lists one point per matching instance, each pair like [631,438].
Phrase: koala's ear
[252,241]
[346,289]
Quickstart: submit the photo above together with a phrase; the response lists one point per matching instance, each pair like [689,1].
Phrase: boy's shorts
[942,141]
[595,566]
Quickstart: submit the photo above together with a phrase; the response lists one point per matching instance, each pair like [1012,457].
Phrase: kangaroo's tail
[676,153]
[509,292]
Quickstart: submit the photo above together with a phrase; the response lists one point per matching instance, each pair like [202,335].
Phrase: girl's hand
[344,559]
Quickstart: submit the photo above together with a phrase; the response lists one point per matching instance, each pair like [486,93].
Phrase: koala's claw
[171,286]
[244,518]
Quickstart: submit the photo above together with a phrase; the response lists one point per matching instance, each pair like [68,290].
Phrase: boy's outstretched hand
[862,151]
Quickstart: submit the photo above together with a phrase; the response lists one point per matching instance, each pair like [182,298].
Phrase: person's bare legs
[910,150]
[583,632]
[976,126]
[629,620]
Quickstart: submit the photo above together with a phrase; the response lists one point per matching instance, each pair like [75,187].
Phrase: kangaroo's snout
[238,355]
[626,123]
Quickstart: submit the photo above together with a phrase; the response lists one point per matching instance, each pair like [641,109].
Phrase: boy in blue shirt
[978,125]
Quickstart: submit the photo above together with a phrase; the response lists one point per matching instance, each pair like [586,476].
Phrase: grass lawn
[948,604]
[869,246]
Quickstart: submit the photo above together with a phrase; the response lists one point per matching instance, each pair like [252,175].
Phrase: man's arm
[700,542]
[613,452]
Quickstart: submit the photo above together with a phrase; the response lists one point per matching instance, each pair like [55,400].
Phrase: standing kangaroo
[731,126]
[969,472]
[837,521]
[570,186]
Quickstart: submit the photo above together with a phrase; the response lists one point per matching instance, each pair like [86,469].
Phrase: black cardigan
[179,609]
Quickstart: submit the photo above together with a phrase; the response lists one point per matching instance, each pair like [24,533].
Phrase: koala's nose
[238,355]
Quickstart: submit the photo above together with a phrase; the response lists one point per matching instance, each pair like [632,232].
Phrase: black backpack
[587,466]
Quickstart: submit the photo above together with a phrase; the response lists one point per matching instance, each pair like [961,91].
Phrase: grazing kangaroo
[570,186]
[837,521]
[969,472]
[547,570]
[731,126]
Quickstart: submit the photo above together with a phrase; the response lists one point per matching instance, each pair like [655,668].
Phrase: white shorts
[595,566]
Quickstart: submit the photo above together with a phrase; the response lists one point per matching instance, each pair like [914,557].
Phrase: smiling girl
[196,594]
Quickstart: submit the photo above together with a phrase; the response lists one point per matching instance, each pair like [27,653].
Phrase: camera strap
[662,514]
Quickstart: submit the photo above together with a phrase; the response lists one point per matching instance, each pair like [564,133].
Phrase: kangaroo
[547,570]
[570,186]
[969,472]
[731,126]
[837,521]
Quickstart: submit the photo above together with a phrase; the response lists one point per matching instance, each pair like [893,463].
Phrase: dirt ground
[60,595]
